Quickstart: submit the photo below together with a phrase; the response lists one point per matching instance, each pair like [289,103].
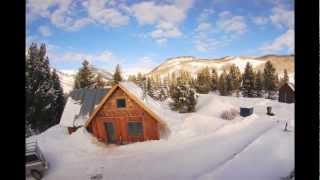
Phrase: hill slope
[193,64]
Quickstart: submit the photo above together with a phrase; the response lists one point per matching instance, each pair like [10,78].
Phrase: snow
[201,145]
[70,113]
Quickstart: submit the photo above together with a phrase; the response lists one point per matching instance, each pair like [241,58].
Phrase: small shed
[80,105]
[286,93]
[246,111]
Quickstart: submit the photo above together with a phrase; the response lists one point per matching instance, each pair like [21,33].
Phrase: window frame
[136,135]
[125,103]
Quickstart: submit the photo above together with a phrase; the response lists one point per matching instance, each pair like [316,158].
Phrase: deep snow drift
[201,146]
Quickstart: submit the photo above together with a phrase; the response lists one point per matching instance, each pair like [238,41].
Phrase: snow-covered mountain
[67,77]
[193,64]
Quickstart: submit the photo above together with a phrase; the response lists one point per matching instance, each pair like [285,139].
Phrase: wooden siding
[120,118]
[286,94]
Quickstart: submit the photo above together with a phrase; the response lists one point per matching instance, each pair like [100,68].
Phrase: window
[135,129]
[121,103]
[31,158]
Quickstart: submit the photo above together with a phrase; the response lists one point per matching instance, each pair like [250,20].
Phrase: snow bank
[72,108]
[201,146]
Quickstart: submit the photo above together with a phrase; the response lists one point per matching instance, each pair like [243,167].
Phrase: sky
[139,35]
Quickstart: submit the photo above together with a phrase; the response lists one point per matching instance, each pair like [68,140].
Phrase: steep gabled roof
[80,105]
[135,93]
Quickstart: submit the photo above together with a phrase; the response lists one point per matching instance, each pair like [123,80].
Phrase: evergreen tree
[248,80]
[44,96]
[214,80]
[229,84]
[234,77]
[58,100]
[222,84]
[99,83]
[117,75]
[85,77]
[150,87]
[162,94]
[269,79]
[204,82]
[184,97]
[258,86]
[285,78]
[132,78]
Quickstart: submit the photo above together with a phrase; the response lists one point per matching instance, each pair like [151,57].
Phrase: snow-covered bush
[234,112]
[184,99]
[229,114]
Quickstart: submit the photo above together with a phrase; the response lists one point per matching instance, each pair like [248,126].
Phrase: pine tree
[184,97]
[85,77]
[59,100]
[229,84]
[132,78]
[44,96]
[248,80]
[99,83]
[235,78]
[222,84]
[117,75]
[214,80]
[285,78]
[258,86]
[269,79]
[203,81]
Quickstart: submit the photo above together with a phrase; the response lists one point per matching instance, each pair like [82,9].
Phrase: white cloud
[165,17]
[282,17]
[229,23]
[260,20]
[101,13]
[45,31]
[205,14]
[204,27]
[284,41]
[71,15]
[165,30]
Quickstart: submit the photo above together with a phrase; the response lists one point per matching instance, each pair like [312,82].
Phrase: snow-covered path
[203,147]
[264,155]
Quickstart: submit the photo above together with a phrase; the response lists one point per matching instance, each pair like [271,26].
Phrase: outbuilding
[286,93]
[121,116]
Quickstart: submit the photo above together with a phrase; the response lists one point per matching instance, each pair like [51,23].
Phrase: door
[110,132]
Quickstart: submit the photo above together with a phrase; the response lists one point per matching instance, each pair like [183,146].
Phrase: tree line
[182,88]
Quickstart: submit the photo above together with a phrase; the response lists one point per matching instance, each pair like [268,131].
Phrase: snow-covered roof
[80,104]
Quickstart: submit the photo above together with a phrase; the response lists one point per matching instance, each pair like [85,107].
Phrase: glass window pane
[121,103]
[135,128]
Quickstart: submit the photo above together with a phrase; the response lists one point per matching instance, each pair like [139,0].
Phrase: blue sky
[141,34]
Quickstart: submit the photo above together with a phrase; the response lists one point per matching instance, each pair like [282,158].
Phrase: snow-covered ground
[200,146]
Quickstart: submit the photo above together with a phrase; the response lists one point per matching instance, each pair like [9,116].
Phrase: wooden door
[110,132]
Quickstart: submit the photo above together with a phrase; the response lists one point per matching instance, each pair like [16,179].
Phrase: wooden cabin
[286,93]
[122,116]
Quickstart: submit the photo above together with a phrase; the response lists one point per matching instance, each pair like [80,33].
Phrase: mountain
[193,64]
[67,77]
